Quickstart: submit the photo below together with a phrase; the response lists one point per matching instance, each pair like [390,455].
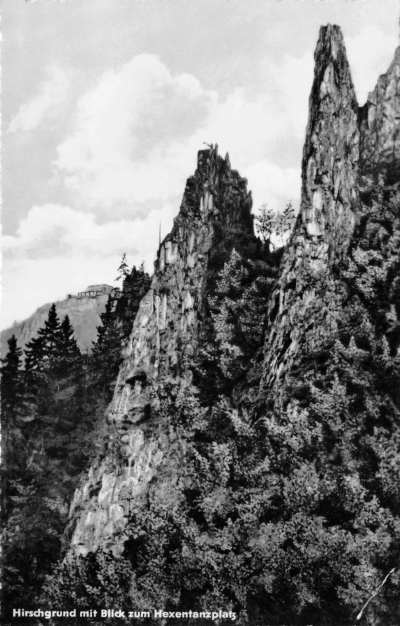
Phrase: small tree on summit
[269,223]
[265,224]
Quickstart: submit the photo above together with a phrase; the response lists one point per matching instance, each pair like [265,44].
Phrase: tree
[12,395]
[288,217]
[68,353]
[123,268]
[265,224]
[106,355]
[135,286]
[42,351]
[10,368]
[51,333]
[35,353]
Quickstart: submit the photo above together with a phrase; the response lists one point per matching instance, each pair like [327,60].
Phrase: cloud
[59,250]
[370,54]
[274,185]
[137,132]
[29,285]
[133,143]
[51,94]
[32,1]
[128,131]
[52,231]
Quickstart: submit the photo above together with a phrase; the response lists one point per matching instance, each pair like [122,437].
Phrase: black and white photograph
[200,313]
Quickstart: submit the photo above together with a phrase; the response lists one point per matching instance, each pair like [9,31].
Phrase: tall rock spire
[331,151]
[164,340]
[329,201]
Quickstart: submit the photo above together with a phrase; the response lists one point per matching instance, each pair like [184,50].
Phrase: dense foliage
[53,426]
[287,508]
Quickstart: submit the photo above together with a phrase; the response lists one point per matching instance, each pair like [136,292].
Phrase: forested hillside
[250,459]
[52,419]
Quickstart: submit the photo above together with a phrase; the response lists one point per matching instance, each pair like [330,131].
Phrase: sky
[106,103]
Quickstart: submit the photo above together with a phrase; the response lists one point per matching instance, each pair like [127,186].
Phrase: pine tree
[68,353]
[10,370]
[17,407]
[12,388]
[123,268]
[51,335]
[35,353]
[106,354]
[41,351]
[135,286]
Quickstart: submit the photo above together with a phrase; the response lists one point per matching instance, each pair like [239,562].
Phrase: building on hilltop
[95,291]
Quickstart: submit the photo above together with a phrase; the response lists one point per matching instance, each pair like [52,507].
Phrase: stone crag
[329,202]
[164,341]
[341,143]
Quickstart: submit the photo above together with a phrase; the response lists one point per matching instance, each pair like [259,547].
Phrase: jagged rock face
[329,202]
[331,151]
[166,331]
[379,121]
[84,314]
[163,342]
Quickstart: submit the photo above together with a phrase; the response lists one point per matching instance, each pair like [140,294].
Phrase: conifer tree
[135,286]
[10,370]
[123,269]
[35,353]
[68,353]
[12,388]
[106,354]
[16,408]
[51,335]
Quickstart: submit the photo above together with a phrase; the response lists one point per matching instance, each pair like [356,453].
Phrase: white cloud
[51,231]
[51,94]
[290,83]
[30,284]
[134,142]
[58,250]
[274,185]
[127,133]
[370,54]
[138,130]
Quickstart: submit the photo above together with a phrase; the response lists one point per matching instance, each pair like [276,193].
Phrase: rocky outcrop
[329,202]
[84,314]
[164,342]
[379,121]
[273,478]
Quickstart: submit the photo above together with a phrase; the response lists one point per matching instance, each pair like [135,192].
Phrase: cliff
[164,341]
[261,475]
[328,209]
